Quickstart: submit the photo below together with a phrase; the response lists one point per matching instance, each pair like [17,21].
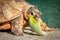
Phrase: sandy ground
[29,35]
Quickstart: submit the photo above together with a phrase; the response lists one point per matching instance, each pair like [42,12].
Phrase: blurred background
[50,15]
[50,11]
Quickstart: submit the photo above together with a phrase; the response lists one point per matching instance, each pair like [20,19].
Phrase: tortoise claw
[47,29]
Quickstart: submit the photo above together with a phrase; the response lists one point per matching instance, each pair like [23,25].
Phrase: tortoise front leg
[43,25]
[17,26]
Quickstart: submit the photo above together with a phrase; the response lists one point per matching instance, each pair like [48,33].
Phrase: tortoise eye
[31,13]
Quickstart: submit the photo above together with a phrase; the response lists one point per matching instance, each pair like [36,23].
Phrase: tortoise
[14,15]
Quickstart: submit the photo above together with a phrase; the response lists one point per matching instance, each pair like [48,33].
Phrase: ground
[29,35]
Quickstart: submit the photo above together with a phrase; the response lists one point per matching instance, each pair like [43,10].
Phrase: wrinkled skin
[16,25]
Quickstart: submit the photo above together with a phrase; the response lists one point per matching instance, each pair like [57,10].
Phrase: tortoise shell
[10,10]
[7,12]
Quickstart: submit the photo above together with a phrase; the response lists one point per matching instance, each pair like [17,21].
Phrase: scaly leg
[17,26]
[43,25]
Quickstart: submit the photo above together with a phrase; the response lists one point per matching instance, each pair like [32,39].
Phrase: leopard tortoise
[15,14]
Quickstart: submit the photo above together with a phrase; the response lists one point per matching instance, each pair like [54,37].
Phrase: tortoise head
[34,12]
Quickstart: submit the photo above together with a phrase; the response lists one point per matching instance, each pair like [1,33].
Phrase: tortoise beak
[37,15]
